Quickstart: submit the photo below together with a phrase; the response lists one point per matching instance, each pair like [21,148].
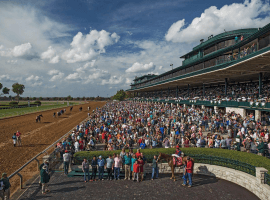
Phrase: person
[260,148]
[45,178]
[101,164]
[127,159]
[66,159]
[177,152]
[94,168]
[142,145]
[14,139]
[117,165]
[2,188]
[154,167]
[223,143]
[7,186]
[140,163]
[85,169]
[18,138]
[144,162]
[188,172]
[136,170]
[46,164]
[109,167]
[138,153]
[133,159]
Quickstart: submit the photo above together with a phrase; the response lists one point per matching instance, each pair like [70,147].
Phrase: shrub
[37,102]
[13,103]
[249,158]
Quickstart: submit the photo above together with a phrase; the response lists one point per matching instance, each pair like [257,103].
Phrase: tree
[120,95]
[1,86]
[5,90]
[69,97]
[18,89]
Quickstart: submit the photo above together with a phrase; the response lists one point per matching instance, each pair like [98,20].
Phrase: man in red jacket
[188,172]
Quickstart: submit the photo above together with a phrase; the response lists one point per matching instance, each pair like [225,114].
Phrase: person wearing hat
[66,160]
[177,152]
[46,164]
[45,178]
[188,172]
[7,186]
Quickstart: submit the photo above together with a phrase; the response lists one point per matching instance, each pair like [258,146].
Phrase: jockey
[178,152]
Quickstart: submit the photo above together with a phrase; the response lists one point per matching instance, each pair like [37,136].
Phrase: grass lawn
[44,106]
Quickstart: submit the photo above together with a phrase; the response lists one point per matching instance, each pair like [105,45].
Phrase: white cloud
[54,60]
[34,81]
[50,55]
[85,48]
[214,21]
[7,78]
[32,78]
[74,76]
[17,51]
[139,67]
[57,75]
[114,80]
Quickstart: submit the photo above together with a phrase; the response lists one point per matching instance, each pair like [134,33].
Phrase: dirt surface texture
[35,137]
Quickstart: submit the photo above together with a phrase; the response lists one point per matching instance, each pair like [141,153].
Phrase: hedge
[13,103]
[37,102]
[249,158]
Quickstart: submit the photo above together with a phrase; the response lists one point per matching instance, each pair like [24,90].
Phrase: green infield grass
[44,106]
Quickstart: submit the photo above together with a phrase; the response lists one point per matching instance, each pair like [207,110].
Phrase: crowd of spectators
[128,124]
[248,92]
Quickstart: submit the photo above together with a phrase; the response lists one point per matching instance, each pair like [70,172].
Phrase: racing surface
[35,137]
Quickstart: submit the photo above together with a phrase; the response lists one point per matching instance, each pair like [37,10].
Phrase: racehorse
[71,108]
[169,159]
[38,118]
[54,114]
[80,109]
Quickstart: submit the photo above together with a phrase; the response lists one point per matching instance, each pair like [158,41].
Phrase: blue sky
[91,48]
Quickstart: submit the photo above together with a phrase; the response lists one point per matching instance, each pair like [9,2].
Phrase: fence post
[37,164]
[21,180]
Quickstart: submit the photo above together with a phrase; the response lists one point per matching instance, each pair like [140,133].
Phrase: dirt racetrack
[35,136]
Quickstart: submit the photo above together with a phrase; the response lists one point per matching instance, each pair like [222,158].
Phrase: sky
[94,48]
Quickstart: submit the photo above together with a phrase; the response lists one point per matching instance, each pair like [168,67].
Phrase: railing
[17,172]
[206,70]
[225,162]
[250,105]
[237,56]
[267,179]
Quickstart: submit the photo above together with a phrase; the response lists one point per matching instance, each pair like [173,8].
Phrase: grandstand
[228,70]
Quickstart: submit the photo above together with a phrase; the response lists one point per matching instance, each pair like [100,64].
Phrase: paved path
[71,188]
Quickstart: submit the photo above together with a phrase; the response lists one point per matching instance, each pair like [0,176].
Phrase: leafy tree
[40,98]
[1,86]
[18,89]
[78,98]
[69,97]
[120,95]
[34,98]
[5,90]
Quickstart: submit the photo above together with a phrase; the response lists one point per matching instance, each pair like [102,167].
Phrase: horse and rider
[80,109]
[177,160]
[38,118]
